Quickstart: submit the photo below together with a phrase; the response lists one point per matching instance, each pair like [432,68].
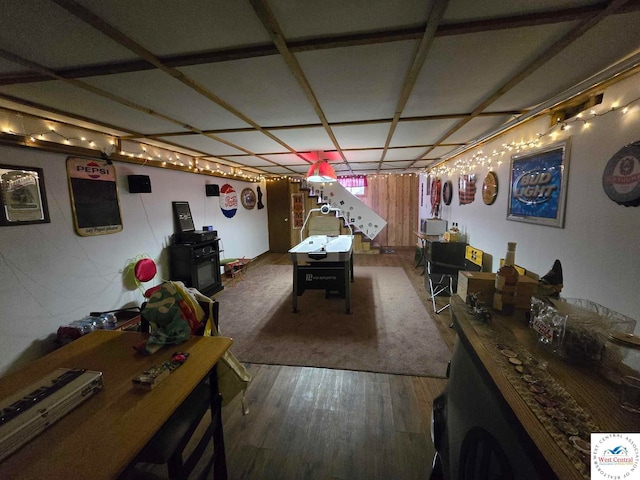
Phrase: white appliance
[433,226]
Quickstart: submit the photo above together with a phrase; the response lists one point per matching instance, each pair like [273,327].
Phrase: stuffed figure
[171,317]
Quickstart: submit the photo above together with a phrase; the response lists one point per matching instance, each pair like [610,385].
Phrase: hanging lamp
[321,171]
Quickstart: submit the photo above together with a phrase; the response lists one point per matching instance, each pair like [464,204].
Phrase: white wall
[50,276]
[599,246]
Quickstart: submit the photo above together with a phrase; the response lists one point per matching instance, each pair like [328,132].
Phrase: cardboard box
[526,289]
[476,282]
[484,283]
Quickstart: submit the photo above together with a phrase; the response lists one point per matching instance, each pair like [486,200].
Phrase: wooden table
[101,437]
[597,397]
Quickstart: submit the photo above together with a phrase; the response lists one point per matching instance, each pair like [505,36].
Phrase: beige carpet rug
[387,331]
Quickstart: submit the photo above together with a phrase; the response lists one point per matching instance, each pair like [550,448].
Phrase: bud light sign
[537,187]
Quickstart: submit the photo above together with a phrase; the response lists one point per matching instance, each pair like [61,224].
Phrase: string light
[462,166]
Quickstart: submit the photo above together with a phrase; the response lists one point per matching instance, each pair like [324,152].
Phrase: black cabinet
[446,253]
[446,258]
[197,265]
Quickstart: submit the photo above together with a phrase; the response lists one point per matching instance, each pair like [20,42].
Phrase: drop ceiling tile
[164,94]
[356,83]
[355,156]
[253,141]
[76,101]
[263,88]
[616,37]
[168,28]
[283,170]
[337,17]
[477,127]
[150,145]
[424,132]
[423,163]
[286,159]
[465,10]
[399,164]
[62,40]
[438,152]
[305,139]
[463,70]
[404,153]
[364,165]
[203,144]
[362,136]
[248,160]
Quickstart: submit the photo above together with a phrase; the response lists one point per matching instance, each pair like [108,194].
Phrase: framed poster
[538,185]
[297,210]
[22,196]
[94,196]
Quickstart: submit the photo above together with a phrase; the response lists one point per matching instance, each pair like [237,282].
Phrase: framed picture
[538,185]
[297,210]
[23,197]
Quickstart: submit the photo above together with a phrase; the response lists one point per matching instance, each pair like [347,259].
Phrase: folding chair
[443,279]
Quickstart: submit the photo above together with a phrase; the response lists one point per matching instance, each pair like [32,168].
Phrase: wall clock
[447,192]
[248,198]
[490,188]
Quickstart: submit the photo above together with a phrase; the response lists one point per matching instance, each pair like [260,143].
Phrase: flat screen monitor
[182,217]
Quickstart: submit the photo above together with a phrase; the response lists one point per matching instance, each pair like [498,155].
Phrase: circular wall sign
[621,176]
[248,198]
[228,200]
[447,192]
[490,188]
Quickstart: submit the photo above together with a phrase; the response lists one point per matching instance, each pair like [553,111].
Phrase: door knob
[286,219]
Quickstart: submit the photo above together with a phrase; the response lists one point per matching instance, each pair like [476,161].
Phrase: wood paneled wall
[394,198]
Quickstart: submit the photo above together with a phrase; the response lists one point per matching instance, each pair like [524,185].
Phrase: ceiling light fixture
[321,171]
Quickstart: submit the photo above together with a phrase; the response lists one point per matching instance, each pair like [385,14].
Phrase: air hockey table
[323,262]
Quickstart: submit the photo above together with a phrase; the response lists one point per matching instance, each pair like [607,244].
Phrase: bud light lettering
[534,187]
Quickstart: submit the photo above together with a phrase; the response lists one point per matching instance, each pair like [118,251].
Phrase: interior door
[278,212]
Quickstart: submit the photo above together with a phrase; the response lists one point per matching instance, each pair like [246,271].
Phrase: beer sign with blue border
[538,184]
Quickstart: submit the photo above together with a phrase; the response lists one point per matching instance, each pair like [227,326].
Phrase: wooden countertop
[591,392]
[99,438]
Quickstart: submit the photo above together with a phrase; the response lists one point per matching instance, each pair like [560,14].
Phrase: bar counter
[585,399]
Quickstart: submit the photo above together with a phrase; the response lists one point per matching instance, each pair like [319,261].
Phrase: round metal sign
[621,176]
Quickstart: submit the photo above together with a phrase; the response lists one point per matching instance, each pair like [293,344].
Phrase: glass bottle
[504,298]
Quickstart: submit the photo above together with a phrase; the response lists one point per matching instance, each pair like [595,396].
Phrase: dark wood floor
[313,423]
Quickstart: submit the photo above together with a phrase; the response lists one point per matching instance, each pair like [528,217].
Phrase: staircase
[365,223]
